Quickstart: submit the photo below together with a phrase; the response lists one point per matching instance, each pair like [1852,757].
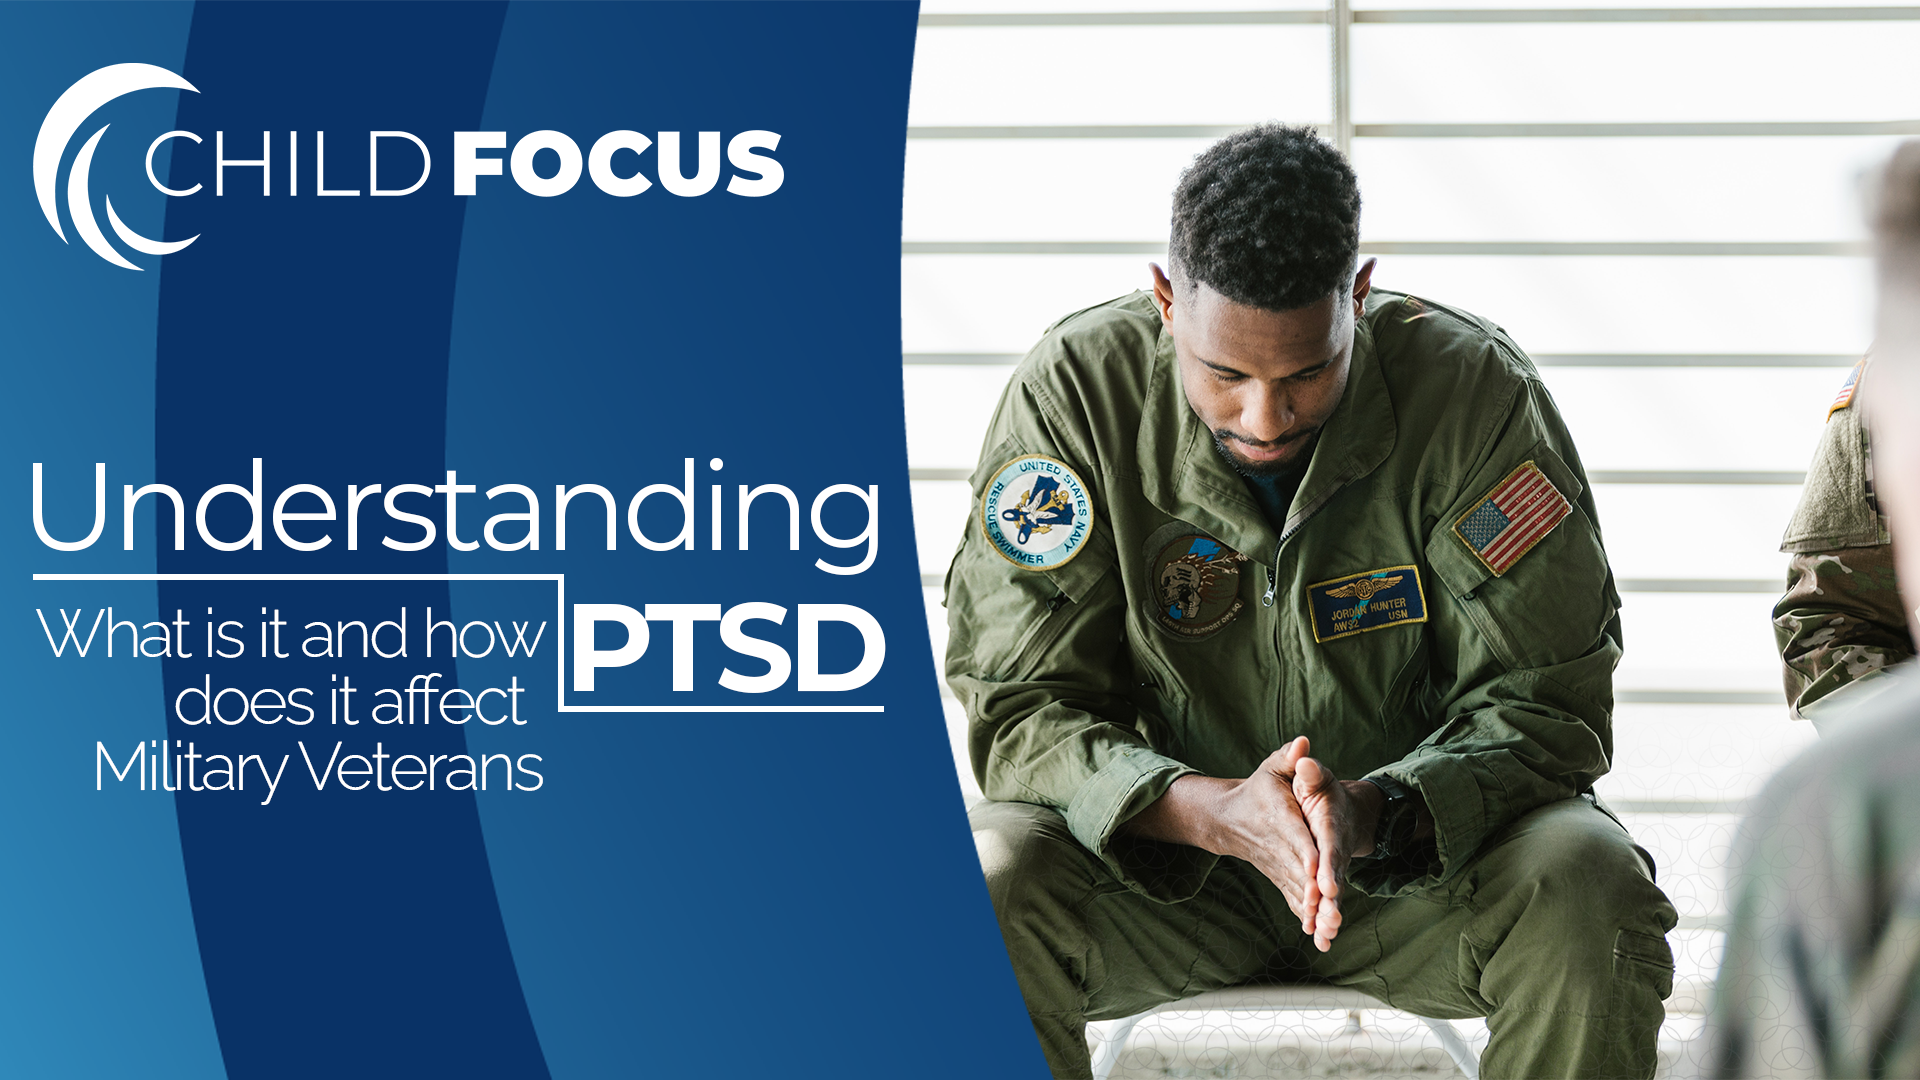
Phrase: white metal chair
[1274,997]
[1690,997]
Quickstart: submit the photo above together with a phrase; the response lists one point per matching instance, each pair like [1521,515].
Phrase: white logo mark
[65,118]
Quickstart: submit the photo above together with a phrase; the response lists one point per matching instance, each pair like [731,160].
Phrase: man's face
[1262,381]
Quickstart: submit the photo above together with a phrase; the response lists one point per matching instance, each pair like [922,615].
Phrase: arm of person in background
[1841,620]
[1818,976]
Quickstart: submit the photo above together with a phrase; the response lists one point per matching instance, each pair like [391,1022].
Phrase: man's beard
[1266,470]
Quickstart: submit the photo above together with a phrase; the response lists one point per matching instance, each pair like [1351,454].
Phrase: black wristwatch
[1399,818]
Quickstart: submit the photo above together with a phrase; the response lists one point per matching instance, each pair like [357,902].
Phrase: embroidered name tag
[1518,513]
[1353,605]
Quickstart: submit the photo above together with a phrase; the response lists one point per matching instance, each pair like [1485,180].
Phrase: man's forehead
[1224,329]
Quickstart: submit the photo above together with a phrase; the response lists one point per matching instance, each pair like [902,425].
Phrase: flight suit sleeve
[1521,662]
[1841,618]
[1039,660]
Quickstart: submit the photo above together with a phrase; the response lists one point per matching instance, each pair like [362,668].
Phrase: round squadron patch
[1036,513]
[1197,583]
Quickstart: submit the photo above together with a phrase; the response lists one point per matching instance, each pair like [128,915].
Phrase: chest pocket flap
[1552,602]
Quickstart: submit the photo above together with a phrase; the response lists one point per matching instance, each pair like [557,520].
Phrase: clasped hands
[1292,819]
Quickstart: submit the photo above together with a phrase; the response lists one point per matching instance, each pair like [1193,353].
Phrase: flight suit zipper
[1273,572]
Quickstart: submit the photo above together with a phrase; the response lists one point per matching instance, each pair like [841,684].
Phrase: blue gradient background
[716,893]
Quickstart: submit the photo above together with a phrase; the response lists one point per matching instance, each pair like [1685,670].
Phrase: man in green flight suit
[1286,639]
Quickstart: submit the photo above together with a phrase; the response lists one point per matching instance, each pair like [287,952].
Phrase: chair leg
[1107,1054]
[1463,1056]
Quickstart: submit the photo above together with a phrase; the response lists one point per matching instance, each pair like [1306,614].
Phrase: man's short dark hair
[1268,217]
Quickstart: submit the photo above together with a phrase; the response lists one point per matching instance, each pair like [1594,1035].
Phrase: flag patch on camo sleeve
[1518,513]
[1845,397]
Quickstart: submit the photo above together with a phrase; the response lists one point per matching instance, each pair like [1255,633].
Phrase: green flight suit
[1089,689]
[1841,622]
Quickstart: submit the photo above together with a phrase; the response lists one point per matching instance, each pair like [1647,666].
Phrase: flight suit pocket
[1160,698]
[1644,960]
[1403,699]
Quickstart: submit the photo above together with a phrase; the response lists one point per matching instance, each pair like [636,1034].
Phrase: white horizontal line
[1517,248]
[297,577]
[1126,18]
[1640,15]
[726,708]
[1707,478]
[1770,587]
[1699,697]
[1661,360]
[1462,15]
[1626,585]
[1652,129]
[1078,131]
[1678,806]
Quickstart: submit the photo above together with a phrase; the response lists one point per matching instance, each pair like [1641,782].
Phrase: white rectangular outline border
[560,606]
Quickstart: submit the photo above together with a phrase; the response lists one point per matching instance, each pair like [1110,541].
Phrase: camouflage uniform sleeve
[1841,618]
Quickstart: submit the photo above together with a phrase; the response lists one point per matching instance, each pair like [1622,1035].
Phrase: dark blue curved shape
[342,933]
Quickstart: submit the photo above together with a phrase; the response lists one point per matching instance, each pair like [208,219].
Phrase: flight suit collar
[1184,475]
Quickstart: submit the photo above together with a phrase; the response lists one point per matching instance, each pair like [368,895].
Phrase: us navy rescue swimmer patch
[1036,513]
[1196,582]
[1367,601]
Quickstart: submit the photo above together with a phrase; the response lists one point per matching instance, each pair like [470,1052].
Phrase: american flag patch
[1518,513]
[1845,397]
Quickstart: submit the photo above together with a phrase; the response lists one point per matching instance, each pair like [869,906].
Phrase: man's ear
[1162,292]
[1363,284]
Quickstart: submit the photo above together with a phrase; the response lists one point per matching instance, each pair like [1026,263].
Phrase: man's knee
[1033,865]
[1570,925]
[1574,918]
[1579,867]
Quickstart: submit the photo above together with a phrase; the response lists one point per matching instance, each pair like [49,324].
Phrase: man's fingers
[1297,901]
[1289,841]
[1301,843]
[1295,750]
[1310,778]
[1311,897]
[1312,785]
[1281,761]
[1328,918]
[1316,790]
